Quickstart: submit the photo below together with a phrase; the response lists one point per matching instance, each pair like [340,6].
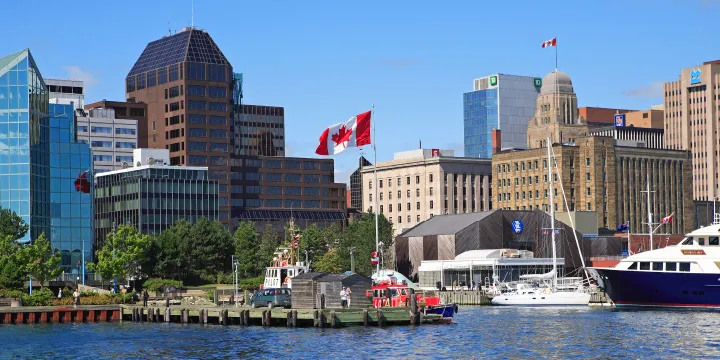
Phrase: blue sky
[325,61]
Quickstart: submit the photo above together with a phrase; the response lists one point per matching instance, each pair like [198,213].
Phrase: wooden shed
[322,290]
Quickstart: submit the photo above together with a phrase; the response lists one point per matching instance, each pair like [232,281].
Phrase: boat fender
[456,308]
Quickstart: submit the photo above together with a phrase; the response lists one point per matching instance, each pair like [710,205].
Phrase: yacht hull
[543,299]
[665,289]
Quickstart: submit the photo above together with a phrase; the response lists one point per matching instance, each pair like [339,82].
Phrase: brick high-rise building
[194,110]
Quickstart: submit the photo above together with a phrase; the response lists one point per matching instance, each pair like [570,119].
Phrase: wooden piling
[247,317]
[294,318]
[167,315]
[316,318]
[365,317]
[332,319]
[379,317]
[321,320]
[289,318]
[413,307]
[223,319]
[185,316]
[201,316]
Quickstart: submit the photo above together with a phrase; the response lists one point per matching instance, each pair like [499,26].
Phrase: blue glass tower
[71,219]
[40,161]
[503,102]
[24,182]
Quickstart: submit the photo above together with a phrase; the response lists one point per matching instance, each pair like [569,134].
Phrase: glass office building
[504,102]
[24,182]
[71,227]
[153,198]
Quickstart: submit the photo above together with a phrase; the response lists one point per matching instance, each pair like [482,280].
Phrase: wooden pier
[325,318]
[59,314]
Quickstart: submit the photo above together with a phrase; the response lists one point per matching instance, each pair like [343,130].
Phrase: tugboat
[387,291]
[284,266]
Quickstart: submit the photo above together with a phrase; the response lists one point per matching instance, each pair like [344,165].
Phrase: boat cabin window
[644,265]
[700,241]
[670,266]
[403,292]
[633,266]
[714,241]
[684,266]
[657,266]
[687,241]
[394,292]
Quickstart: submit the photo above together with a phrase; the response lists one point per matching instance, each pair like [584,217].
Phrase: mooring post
[185,315]
[157,314]
[264,317]
[288,315]
[379,317]
[201,318]
[247,317]
[268,321]
[413,307]
[365,317]
[332,319]
[294,318]
[322,319]
[167,315]
[316,318]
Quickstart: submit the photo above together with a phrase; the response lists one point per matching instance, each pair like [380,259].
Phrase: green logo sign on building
[493,80]
[538,82]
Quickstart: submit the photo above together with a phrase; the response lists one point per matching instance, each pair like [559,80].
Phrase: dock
[320,318]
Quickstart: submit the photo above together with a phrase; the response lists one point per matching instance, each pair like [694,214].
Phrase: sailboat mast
[552,213]
[649,209]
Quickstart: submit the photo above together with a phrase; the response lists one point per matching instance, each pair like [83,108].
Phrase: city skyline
[323,77]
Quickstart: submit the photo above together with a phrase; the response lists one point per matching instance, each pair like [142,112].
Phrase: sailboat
[528,293]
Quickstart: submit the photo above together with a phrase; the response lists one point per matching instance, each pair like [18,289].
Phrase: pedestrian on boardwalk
[76,297]
[343,297]
[60,294]
[454,285]
[347,293]
[145,298]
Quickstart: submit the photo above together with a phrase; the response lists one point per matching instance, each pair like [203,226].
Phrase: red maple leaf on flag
[343,135]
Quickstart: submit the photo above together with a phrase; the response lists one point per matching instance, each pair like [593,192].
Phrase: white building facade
[111,140]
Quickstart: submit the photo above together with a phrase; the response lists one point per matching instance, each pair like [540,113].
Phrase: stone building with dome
[601,174]
[556,113]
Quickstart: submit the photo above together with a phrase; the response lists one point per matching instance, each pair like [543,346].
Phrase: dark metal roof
[310,275]
[190,45]
[446,224]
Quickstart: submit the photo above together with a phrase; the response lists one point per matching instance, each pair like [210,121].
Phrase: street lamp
[352,259]
[307,264]
[177,270]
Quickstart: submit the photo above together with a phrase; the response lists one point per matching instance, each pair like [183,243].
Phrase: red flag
[666,220]
[551,42]
[352,133]
[82,184]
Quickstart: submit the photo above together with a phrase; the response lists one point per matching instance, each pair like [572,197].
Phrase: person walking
[60,294]
[343,297]
[76,298]
[145,298]
[347,294]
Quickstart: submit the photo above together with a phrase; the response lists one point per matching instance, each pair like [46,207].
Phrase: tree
[246,249]
[12,275]
[360,235]
[12,225]
[313,240]
[124,249]
[41,262]
[269,243]
[330,262]
[210,249]
[169,249]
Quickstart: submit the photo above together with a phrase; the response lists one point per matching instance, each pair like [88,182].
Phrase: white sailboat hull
[543,299]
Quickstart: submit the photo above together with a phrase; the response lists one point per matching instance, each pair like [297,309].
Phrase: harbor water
[477,332]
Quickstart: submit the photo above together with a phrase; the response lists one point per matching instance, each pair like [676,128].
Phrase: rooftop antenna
[192,13]
[169,29]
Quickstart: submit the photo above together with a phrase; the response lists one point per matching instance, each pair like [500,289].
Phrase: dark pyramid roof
[191,45]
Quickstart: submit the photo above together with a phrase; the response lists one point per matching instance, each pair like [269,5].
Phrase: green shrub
[251,283]
[15,294]
[95,299]
[40,297]
[159,285]
[210,295]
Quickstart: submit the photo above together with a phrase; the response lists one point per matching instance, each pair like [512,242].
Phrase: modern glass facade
[71,219]
[24,182]
[504,102]
[259,130]
[153,198]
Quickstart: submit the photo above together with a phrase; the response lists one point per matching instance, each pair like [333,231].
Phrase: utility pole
[115,276]
[649,210]
[352,260]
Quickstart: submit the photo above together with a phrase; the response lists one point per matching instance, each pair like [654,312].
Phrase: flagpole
[375,184]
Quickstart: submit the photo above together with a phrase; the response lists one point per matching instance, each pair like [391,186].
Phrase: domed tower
[556,112]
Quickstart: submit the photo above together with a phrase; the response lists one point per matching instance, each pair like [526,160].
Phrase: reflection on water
[483,332]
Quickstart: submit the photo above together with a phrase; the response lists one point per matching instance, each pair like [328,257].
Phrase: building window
[197,132]
[587,207]
[431,177]
[408,207]
[544,164]
[399,194]
[196,90]
[197,146]
[162,75]
[174,91]
[173,69]
[417,179]
[196,119]
[196,71]
[380,184]
[409,219]
[587,191]
[389,207]
[218,134]
[587,176]
[218,106]
[418,218]
[431,191]
[398,181]
[370,197]
[587,162]
[370,184]
[389,195]
[216,72]
[124,131]
[196,105]
[125,145]
[381,196]
[218,92]
[399,219]
[418,205]
[408,193]
[431,204]
[381,208]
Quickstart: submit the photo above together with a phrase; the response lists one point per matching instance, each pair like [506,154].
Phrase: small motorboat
[387,291]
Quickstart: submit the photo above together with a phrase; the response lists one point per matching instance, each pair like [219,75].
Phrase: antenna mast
[192,13]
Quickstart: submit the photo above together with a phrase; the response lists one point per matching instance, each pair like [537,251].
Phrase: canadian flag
[666,220]
[551,42]
[352,133]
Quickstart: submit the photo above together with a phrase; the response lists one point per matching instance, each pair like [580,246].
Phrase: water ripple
[486,332]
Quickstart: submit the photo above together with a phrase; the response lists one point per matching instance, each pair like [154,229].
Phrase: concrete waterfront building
[634,136]
[111,139]
[498,101]
[419,184]
[691,114]
[152,196]
[356,188]
[43,170]
[66,92]
[599,175]
[127,110]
